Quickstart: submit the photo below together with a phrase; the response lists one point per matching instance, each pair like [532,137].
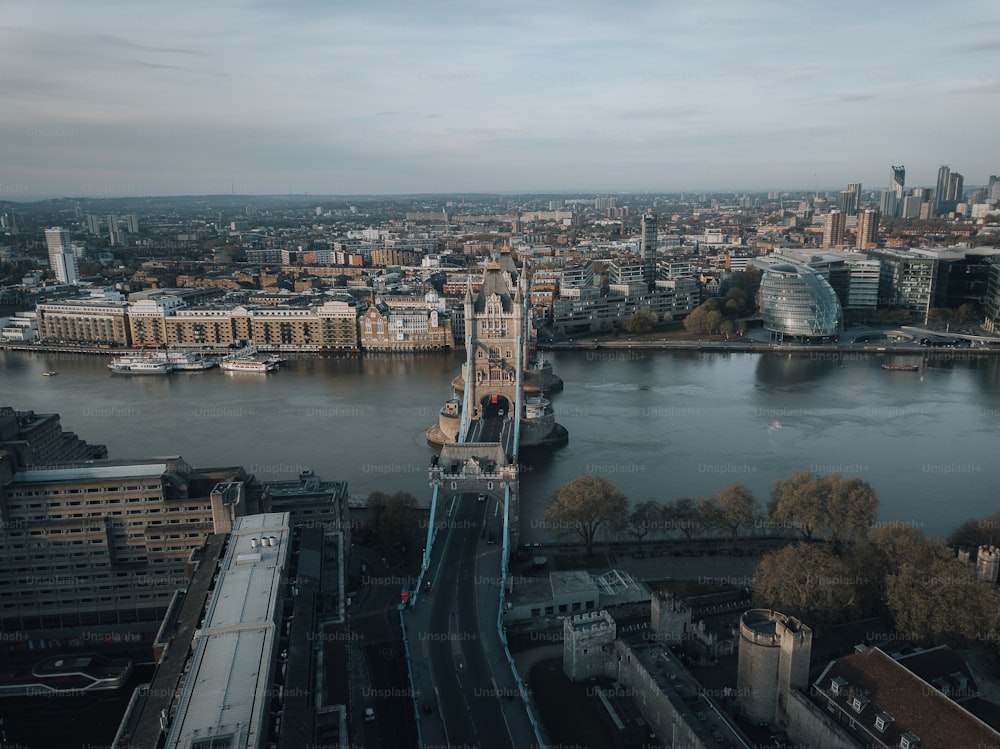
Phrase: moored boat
[901,367]
[140,365]
[248,365]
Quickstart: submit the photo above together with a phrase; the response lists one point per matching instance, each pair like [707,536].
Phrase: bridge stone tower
[499,379]
[494,321]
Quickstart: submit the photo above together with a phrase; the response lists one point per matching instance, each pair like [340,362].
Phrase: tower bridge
[499,401]
[459,665]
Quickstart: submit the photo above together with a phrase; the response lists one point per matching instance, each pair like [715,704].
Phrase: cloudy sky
[104,98]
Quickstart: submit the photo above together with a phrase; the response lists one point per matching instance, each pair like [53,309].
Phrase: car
[492,539]
[482,497]
[369,714]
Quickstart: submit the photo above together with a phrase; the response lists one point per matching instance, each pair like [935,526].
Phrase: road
[467,694]
[374,624]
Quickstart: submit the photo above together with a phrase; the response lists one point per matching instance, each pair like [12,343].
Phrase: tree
[964,313]
[704,319]
[393,517]
[683,514]
[585,505]
[640,321]
[850,508]
[732,509]
[795,503]
[809,582]
[975,533]
[645,518]
[837,509]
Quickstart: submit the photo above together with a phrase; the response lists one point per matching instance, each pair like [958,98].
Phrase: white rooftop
[83,473]
[226,693]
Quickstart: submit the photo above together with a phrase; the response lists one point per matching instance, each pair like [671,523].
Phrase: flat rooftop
[225,695]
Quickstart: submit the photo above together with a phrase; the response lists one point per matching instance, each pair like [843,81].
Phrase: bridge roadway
[496,429]
[466,690]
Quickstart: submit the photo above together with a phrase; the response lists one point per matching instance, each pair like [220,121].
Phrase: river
[658,424]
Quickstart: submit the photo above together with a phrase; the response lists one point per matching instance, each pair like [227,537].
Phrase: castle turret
[774,658]
[587,640]
[988,563]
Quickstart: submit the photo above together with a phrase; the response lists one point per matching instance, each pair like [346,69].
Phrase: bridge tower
[497,333]
[499,378]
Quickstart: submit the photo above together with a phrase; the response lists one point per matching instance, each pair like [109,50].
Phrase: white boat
[160,362]
[140,365]
[248,365]
[185,362]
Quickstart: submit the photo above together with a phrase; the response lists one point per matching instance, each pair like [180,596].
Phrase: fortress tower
[988,563]
[587,640]
[670,618]
[774,658]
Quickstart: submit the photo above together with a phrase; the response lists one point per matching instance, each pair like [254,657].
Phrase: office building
[835,229]
[797,302]
[114,231]
[911,206]
[897,180]
[62,258]
[991,300]
[106,542]
[906,280]
[867,233]
[28,438]
[941,189]
[649,249]
[850,199]
[956,188]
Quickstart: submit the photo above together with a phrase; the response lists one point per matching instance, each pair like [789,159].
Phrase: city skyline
[264,98]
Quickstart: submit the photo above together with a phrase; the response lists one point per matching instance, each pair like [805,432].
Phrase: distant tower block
[670,618]
[774,658]
[988,563]
[587,639]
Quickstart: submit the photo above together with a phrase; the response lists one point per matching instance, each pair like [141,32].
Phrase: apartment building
[88,321]
[106,542]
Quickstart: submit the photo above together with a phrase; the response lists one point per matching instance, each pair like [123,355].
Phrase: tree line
[844,566]
[822,507]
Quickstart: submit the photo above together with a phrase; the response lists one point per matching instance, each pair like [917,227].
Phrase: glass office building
[798,303]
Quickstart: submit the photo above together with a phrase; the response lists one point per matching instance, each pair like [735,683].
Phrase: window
[882,721]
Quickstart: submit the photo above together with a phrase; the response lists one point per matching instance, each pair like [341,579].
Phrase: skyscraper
[897,178]
[941,189]
[649,249]
[850,199]
[62,259]
[956,188]
[867,235]
[834,228]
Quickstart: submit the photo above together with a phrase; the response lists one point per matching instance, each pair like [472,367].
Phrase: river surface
[657,424]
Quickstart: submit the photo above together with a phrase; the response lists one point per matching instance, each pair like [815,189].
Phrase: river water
[658,424]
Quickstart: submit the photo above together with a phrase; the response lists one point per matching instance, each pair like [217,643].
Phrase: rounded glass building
[797,302]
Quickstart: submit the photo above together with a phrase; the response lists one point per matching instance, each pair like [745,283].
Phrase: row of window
[563,608]
[89,490]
